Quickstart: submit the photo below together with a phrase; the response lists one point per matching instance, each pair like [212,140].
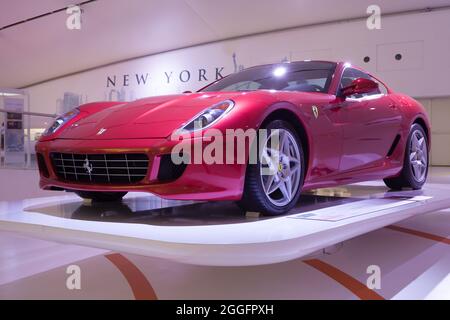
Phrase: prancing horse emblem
[315,111]
[88,166]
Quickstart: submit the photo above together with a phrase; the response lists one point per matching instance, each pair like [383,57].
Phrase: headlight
[61,120]
[209,116]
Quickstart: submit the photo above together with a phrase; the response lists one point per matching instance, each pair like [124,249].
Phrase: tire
[101,196]
[413,176]
[291,168]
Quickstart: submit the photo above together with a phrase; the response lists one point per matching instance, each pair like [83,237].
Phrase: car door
[370,124]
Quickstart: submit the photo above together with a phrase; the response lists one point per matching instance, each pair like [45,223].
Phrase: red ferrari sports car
[325,124]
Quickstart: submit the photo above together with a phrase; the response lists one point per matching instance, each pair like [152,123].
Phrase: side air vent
[168,171]
[41,165]
[394,145]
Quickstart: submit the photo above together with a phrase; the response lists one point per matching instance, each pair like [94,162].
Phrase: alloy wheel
[418,156]
[280,167]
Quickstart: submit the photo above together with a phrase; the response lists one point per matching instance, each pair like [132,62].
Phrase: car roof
[296,61]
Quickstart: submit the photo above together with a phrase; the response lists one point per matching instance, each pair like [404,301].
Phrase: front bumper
[198,181]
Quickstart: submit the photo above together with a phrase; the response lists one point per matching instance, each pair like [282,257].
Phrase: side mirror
[360,86]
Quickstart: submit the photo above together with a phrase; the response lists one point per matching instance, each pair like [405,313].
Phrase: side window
[347,78]
[243,85]
[382,88]
[351,74]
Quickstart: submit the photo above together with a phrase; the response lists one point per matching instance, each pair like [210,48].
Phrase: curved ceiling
[115,30]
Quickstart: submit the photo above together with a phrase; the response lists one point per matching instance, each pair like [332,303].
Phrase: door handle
[332,106]
[392,106]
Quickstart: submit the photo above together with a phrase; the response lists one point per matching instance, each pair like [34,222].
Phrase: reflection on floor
[413,257]
[154,211]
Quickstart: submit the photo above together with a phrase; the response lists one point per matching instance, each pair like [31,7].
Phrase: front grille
[100,168]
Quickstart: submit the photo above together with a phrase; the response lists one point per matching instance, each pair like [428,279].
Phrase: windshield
[305,76]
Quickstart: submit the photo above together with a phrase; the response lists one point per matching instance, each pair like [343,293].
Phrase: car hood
[154,117]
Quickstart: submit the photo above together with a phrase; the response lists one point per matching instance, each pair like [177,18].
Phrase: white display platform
[218,234]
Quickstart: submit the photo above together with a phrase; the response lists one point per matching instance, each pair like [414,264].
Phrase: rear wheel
[101,196]
[273,184]
[415,165]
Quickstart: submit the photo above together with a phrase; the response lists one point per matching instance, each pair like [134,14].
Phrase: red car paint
[348,142]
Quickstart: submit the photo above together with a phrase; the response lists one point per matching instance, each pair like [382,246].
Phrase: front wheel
[415,165]
[273,184]
[101,196]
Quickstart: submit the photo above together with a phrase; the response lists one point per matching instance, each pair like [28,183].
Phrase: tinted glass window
[297,76]
[381,86]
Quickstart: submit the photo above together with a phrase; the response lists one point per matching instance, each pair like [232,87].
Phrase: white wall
[439,112]
[422,39]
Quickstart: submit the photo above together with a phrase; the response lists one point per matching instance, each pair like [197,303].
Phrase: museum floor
[412,256]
